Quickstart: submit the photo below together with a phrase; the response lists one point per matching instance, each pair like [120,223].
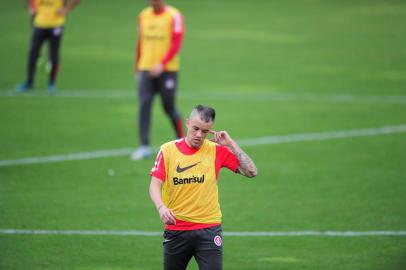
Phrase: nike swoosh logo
[179,169]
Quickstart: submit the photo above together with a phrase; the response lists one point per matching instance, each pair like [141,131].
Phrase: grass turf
[238,57]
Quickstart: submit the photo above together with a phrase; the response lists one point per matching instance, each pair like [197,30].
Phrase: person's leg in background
[54,45]
[145,98]
[38,37]
[167,89]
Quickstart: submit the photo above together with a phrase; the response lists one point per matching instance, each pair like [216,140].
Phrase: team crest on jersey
[170,83]
[218,241]
[57,31]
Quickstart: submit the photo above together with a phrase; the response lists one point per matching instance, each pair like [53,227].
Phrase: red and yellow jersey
[46,13]
[190,186]
[159,38]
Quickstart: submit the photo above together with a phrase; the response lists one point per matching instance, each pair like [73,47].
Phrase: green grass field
[270,68]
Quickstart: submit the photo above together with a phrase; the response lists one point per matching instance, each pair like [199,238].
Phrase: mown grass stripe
[216,96]
[300,137]
[237,234]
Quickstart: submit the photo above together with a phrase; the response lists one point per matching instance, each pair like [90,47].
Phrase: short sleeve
[158,170]
[225,158]
[178,26]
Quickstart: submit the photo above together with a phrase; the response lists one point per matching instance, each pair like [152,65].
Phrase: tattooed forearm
[247,166]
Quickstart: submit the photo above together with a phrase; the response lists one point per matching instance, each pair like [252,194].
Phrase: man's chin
[196,144]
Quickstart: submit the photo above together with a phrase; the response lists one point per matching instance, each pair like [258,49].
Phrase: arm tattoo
[247,166]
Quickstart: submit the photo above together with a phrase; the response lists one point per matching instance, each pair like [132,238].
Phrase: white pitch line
[320,233]
[319,136]
[67,157]
[238,234]
[216,95]
[314,136]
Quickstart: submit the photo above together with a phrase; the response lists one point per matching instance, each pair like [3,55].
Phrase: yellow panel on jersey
[190,189]
[47,13]
[156,36]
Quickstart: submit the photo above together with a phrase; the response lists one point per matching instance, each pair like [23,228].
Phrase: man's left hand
[156,70]
[221,137]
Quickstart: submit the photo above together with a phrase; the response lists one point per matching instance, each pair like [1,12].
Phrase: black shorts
[206,245]
[166,82]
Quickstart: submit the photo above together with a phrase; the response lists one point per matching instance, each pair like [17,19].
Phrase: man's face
[197,131]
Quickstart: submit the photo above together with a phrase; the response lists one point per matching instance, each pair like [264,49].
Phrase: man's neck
[189,144]
[159,10]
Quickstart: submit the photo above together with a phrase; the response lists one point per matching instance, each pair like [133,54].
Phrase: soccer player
[48,21]
[160,33]
[184,189]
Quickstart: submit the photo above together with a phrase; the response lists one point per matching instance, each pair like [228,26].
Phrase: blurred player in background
[184,189]
[160,33]
[48,20]
[31,10]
